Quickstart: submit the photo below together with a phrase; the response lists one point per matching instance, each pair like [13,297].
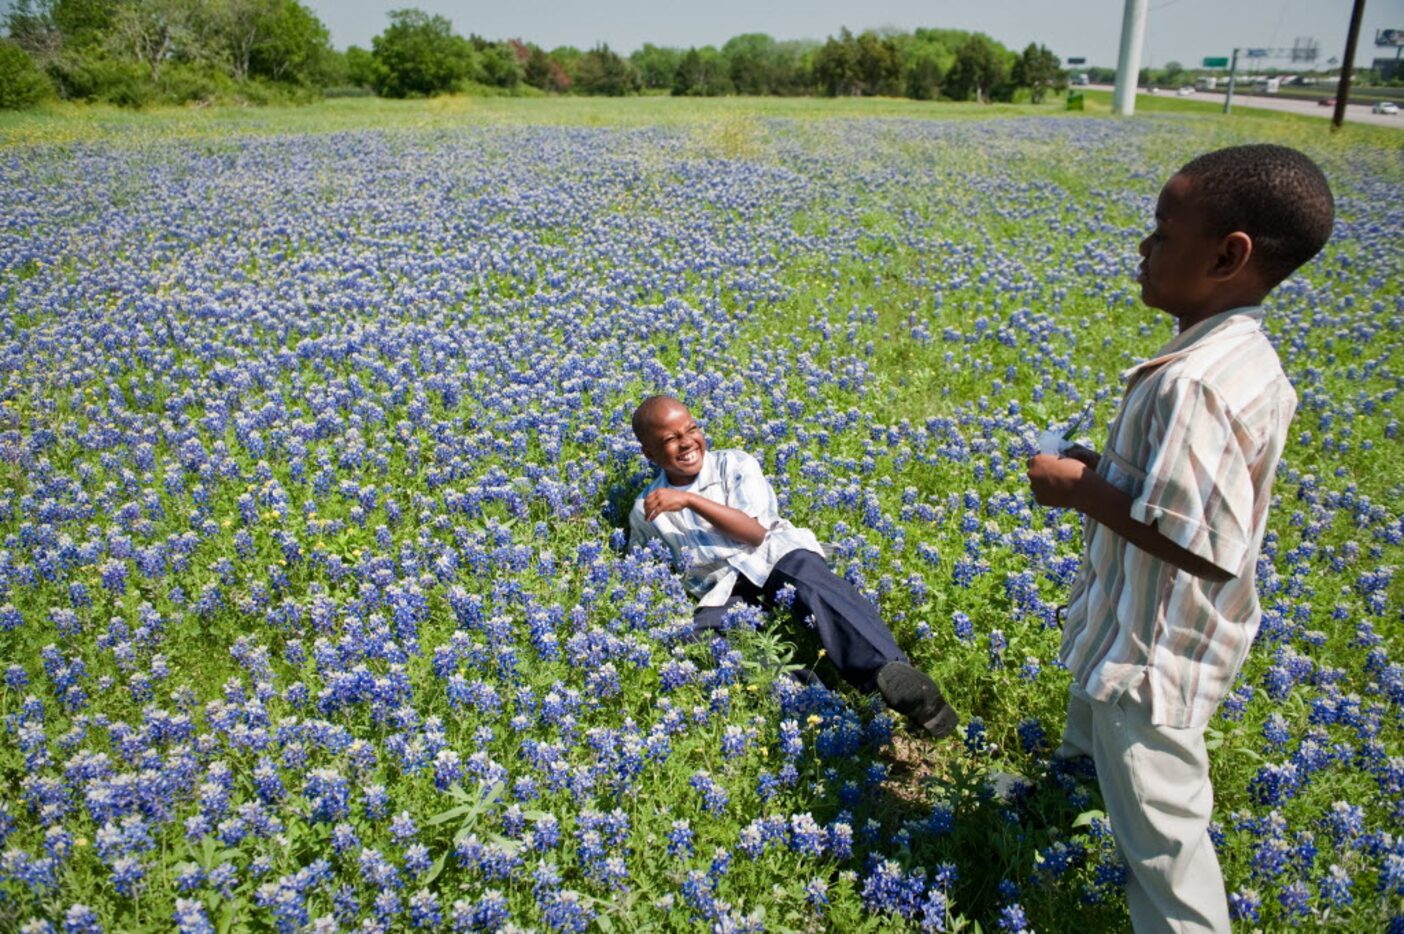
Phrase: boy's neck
[1213,309]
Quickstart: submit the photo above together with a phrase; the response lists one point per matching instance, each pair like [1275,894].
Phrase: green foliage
[836,67]
[1039,70]
[924,75]
[657,66]
[107,79]
[21,82]
[702,73]
[419,55]
[752,61]
[123,53]
[294,46]
[602,71]
[981,71]
[496,64]
[360,67]
[542,71]
[871,64]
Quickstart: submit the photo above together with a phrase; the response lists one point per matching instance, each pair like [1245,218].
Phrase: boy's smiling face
[674,441]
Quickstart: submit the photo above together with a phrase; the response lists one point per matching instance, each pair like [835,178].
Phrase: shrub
[109,80]
[22,84]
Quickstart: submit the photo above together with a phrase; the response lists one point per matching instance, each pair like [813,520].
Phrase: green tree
[295,46]
[702,72]
[657,66]
[360,67]
[981,67]
[602,71]
[1174,74]
[924,75]
[541,70]
[568,57]
[1038,69]
[152,32]
[495,63]
[419,54]
[22,84]
[32,28]
[836,65]
[751,60]
[878,64]
[235,28]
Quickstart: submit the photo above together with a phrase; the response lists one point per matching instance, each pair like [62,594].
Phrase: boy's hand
[1054,480]
[665,500]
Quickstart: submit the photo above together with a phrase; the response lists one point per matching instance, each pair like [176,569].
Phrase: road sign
[1255,53]
[1389,37]
[1216,63]
[1080,60]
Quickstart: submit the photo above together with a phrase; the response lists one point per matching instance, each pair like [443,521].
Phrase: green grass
[61,123]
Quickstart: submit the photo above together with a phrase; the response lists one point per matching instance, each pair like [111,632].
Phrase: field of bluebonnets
[315,605]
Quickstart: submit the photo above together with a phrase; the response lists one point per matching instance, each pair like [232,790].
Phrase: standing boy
[717,510]
[1165,608]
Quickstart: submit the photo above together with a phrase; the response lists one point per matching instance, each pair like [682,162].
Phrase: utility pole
[1233,75]
[1128,63]
[1348,65]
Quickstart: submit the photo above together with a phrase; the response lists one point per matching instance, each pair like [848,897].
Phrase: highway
[1355,113]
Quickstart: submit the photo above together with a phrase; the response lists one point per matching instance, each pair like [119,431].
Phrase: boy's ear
[1235,250]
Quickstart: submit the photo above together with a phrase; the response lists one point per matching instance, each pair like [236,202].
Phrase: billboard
[1393,37]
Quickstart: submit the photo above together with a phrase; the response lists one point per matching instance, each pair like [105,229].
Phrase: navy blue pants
[855,638]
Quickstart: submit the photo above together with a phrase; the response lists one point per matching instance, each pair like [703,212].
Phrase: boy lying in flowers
[716,510]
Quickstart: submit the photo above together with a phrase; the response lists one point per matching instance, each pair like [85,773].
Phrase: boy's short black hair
[648,410]
[1276,195]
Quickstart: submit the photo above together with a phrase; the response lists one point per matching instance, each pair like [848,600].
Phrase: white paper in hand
[1051,442]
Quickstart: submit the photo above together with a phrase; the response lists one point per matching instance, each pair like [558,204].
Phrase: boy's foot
[914,695]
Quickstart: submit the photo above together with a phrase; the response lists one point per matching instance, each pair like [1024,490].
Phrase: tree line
[135,52]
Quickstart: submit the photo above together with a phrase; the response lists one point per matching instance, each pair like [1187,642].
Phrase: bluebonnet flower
[680,839]
[566,911]
[1013,918]
[975,740]
[1032,735]
[1336,886]
[80,919]
[191,918]
[1295,899]
[714,797]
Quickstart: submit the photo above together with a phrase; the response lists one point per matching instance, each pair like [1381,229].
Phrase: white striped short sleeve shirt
[711,559]
[1195,445]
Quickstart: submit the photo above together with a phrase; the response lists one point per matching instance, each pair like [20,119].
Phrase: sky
[1178,30]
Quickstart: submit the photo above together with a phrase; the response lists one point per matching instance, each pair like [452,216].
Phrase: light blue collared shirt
[710,558]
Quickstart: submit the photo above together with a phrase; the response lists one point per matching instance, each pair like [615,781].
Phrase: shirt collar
[707,476]
[1225,324]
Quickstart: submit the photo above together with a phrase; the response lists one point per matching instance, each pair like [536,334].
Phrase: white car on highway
[1385,107]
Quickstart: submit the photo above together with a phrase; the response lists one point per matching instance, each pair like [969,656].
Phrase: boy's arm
[640,531]
[729,521]
[1068,483]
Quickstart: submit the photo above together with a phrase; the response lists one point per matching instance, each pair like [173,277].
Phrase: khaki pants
[1155,785]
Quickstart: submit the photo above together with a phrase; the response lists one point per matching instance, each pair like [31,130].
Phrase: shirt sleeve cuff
[1226,552]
